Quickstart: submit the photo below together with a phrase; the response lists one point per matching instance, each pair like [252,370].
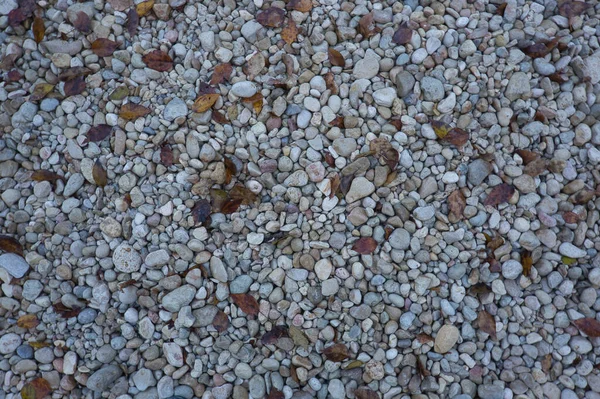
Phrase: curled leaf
[103,47]
[240,192]
[204,102]
[499,194]
[10,244]
[365,245]
[39,30]
[539,50]
[385,151]
[272,17]
[247,303]
[335,57]
[487,323]
[99,133]
[82,22]
[66,312]
[366,26]
[158,60]
[275,393]
[527,262]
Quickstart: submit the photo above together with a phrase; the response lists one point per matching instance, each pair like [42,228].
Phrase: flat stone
[432,89]
[323,269]
[173,354]
[102,379]
[243,89]
[446,338]
[297,179]
[359,189]
[14,264]
[478,171]
[405,83]
[571,251]
[178,298]
[512,269]
[218,270]
[385,97]
[157,258]
[399,239]
[518,86]
[176,108]
[367,67]
[9,342]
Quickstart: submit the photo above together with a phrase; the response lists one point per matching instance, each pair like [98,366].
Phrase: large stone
[367,67]
[102,379]
[360,188]
[179,298]
[518,86]
[446,338]
[399,239]
[14,264]
[432,88]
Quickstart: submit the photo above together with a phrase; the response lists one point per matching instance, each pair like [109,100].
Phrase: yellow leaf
[38,345]
[205,102]
[353,364]
[144,7]
[290,32]
[40,91]
[28,321]
[441,129]
[568,261]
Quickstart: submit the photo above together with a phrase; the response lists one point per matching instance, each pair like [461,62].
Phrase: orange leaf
[335,57]
[144,7]
[10,244]
[365,245]
[336,352]
[99,174]
[487,323]
[39,30]
[205,102]
[272,17]
[221,321]
[99,133]
[257,102]
[36,389]
[290,32]
[527,262]
[456,204]
[28,321]
[104,47]
[300,5]
[499,194]
[131,111]
[158,60]
[221,73]
[247,303]
[589,326]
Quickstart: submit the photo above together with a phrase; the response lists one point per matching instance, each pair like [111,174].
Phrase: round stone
[126,259]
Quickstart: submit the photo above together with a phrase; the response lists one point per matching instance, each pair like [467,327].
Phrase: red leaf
[588,326]
[230,206]
[403,35]
[272,17]
[247,303]
[365,245]
[104,47]
[166,155]
[158,60]
[99,133]
[499,194]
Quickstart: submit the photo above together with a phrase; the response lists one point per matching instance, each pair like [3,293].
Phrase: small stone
[360,188]
[478,171]
[385,97]
[447,104]
[207,40]
[176,108]
[446,338]
[297,179]
[399,239]
[102,379]
[344,146]
[73,184]
[157,258]
[316,171]
[512,269]
[323,269]
[179,298]
[14,264]
[336,389]
[111,227]
[432,88]
[70,363]
[490,391]
[374,370]
[9,342]
[243,89]
[217,269]
[329,287]
[250,31]
[126,259]
[405,83]
[255,238]
[241,284]
[571,251]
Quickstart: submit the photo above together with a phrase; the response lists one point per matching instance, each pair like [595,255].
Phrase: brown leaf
[272,17]
[275,394]
[403,35]
[271,337]
[230,169]
[40,91]
[457,137]
[131,111]
[166,155]
[133,21]
[221,321]
[247,303]
[365,245]
[366,26]
[144,7]
[424,338]
[158,60]
[572,8]
[255,65]
[547,363]
[527,262]
[290,32]
[335,57]
[539,50]
[10,244]
[39,30]
[486,322]
[457,204]
[493,243]
[38,388]
[329,158]
[336,352]
[298,337]
[331,85]
[527,156]
[571,217]
[204,102]
[74,72]
[74,86]
[221,73]
[441,129]
[28,321]
[201,211]
[38,345]
[16,17]
[256,100]
[480,289]
[423,372]
[334,183]
[230,206]
[65,311]
[120,5]
[338,121]
[240,192]
[385,151]
[46,175]
[99,133]
[99,174]
[300,5]
[345,183]
[500,9]
[82,22]
[219,117]
[499,194]
[13,76]
[582,197]
[536,167]
[365,393]
[104,47]
[588,326]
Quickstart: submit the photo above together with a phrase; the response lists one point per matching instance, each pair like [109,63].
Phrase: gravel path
[371,199]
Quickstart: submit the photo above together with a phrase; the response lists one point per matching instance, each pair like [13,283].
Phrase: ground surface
[309,199]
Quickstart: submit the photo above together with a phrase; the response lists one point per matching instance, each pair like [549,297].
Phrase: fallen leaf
[571,217]
[457,204]
[336,352]
[365,393]
[120,5]
[221,73]
[36,389]
[131,111]
[230,169]
[38,28]
[82,22]
[300,5]
[582,197]
[500,9]
[254,65]
[99,133]
[424,338]
[384,150]
[219,117]
[28,321]
[204,102]
[403,35]
[588,326]
[334,183]
[16,17]
[539,50]
[201,211]
[365,245]
[487,324]
[559,78]
[230,206]
[247,303]
[499,194]
[457,137]
[493,243]
[290,32]
[38,345]
[329,158]
[40,91]
[65,311]
[298,337]
[441,129]
[74,86]
[272,17]
[133,21]
[218,198]
[99,174]
[46,175]
[366,26]
[480,289]
[330,84]
[271,337]
[10,244]
[240,192]
[275,394]
[144,7]
[104,47]
[166,155]
[546,363]
[568,261]
[256,100]
[527,262]
[527,156]
[423,372]
[338,121]
[572,8]
[353,365]
[288,61]
[345,183]
[205,88]
[220,321]
[335,57]
[74,72]
[13,75]
[158,60]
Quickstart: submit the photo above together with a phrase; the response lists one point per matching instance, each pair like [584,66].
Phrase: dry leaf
[353,365]
[65,311]
[99,174]
[158,60]
[74,86]
[38,388]
[298,337]
[272,17]
[457,137]
[440,128]
[131,111]
[275,394]
[271,337]
[334,183]
[133,21]
[230,169]
[221,73]
[385,151]
[300,5]
[424,338]
[493,243]
[457,204]
[240,192]
[166,155]
[201,211]
[230,206]
[336,352]
[104,47]
[331,85]
[46,175]
[403,35]
[572,8]
[582,197]
[480,289]
[16,17]
[571,217]
[527,262]
[487,323]
[588,326]
[120,5]
[365,245]
[38,345]
[99,133]
[219,117]
[546,363]
[39,30]
[82,22]
[365,393]
[144,7]
[366,26]
[204,102]
[290,31]
[28,321]
[10,244]
[536,167]
[527,156]
[345,183]
[255,64]
[221,321]
[40,91]
[335,57]
[423,372]
[539,50]
[246,302]
[499,195]
[74,72]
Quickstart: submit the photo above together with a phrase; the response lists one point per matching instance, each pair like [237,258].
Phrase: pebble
[446,338]
[126,259]
[360,188]
[14,264]
[178,298]
[103,378]
[433,89]
[571,251]
[243,89]
[176,108]
[512,269]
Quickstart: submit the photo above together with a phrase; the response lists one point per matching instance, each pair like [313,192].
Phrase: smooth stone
[179,298]
[176,108]
[446,338]
[14,264]
[360,188]
[571,251]
[243,89]
[126,259]
[399,239]
[102,379]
